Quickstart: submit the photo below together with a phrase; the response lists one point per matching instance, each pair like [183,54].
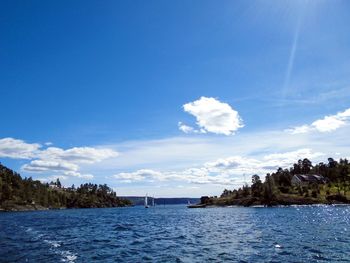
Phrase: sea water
[177,234]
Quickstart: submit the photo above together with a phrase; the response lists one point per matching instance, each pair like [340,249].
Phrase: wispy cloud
[291,60]
[188,129]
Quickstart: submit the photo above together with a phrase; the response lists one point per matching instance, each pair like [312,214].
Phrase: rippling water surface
[177,234]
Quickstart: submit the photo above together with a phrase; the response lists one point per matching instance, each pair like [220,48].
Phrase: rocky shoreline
[19,208]
[26,208]
[281,200]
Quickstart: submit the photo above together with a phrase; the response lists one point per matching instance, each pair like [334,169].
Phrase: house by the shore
[53,185]
[306,179]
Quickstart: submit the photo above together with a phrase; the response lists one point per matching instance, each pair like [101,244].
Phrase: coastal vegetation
[323,183]
[17,193]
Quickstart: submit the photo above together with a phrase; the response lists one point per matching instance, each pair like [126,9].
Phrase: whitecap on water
[52,243]
[278,246]
[68,256]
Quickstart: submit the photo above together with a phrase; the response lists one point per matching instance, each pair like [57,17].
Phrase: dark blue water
[177,234]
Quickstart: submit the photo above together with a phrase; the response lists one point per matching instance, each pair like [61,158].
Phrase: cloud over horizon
[228,172]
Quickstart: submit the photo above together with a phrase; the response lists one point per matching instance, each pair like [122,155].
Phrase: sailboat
[153,204]
[146,201]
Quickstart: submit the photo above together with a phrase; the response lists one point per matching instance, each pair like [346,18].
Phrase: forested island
[18,194]
[301,184]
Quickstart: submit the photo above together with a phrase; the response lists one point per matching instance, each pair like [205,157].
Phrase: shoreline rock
[27,208]
[281,200]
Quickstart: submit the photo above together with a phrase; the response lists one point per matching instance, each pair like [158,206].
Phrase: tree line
[16,191]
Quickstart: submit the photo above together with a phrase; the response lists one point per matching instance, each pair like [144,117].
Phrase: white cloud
[234,162]
[286,159]
[78,154]
[238,165]
[203,175]
[49,165]
[185,128]
[188,129]
[300,129]
[60,166]
[78,174]
[327,124]
[192,175]
[18,149]
[68,161]
[212,116]
[53,159]
[139,175]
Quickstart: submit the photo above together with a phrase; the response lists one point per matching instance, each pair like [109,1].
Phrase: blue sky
[96,91]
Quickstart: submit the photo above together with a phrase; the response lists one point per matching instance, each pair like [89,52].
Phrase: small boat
[146,202]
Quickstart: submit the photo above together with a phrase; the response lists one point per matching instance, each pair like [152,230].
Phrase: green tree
[58,183]
[256,186]
[306,166]
[245,190]
[269,190]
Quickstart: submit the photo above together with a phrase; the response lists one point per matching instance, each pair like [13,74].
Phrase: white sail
[146,201]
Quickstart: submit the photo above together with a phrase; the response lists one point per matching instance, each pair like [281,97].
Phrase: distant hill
[139,200]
